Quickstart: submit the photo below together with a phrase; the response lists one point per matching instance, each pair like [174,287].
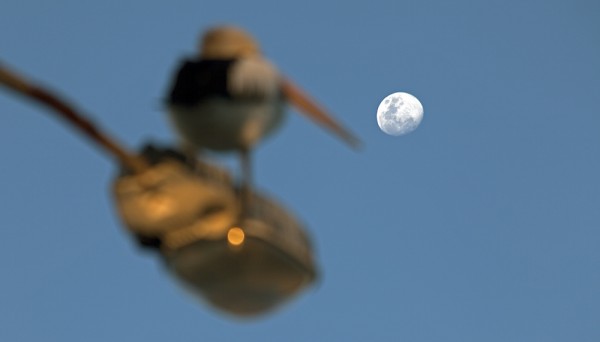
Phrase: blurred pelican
[230,97]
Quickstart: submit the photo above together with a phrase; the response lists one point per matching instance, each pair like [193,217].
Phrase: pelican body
[230,97]
[226,104]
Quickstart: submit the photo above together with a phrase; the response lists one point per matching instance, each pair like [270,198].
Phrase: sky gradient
[481,225]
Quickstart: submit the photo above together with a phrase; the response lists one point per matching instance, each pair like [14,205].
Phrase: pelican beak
[309,107]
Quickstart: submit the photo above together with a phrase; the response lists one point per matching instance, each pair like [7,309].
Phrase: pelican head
[225,42]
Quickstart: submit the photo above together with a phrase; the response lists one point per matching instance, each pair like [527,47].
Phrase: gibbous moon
[399,113]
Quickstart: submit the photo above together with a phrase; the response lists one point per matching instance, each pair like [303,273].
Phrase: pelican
[229,97]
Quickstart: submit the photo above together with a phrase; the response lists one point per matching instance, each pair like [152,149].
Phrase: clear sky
[481,225]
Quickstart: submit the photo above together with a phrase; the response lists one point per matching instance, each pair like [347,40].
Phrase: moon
[399,114]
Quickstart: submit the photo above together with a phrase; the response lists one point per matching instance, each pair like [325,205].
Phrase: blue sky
[482,225]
